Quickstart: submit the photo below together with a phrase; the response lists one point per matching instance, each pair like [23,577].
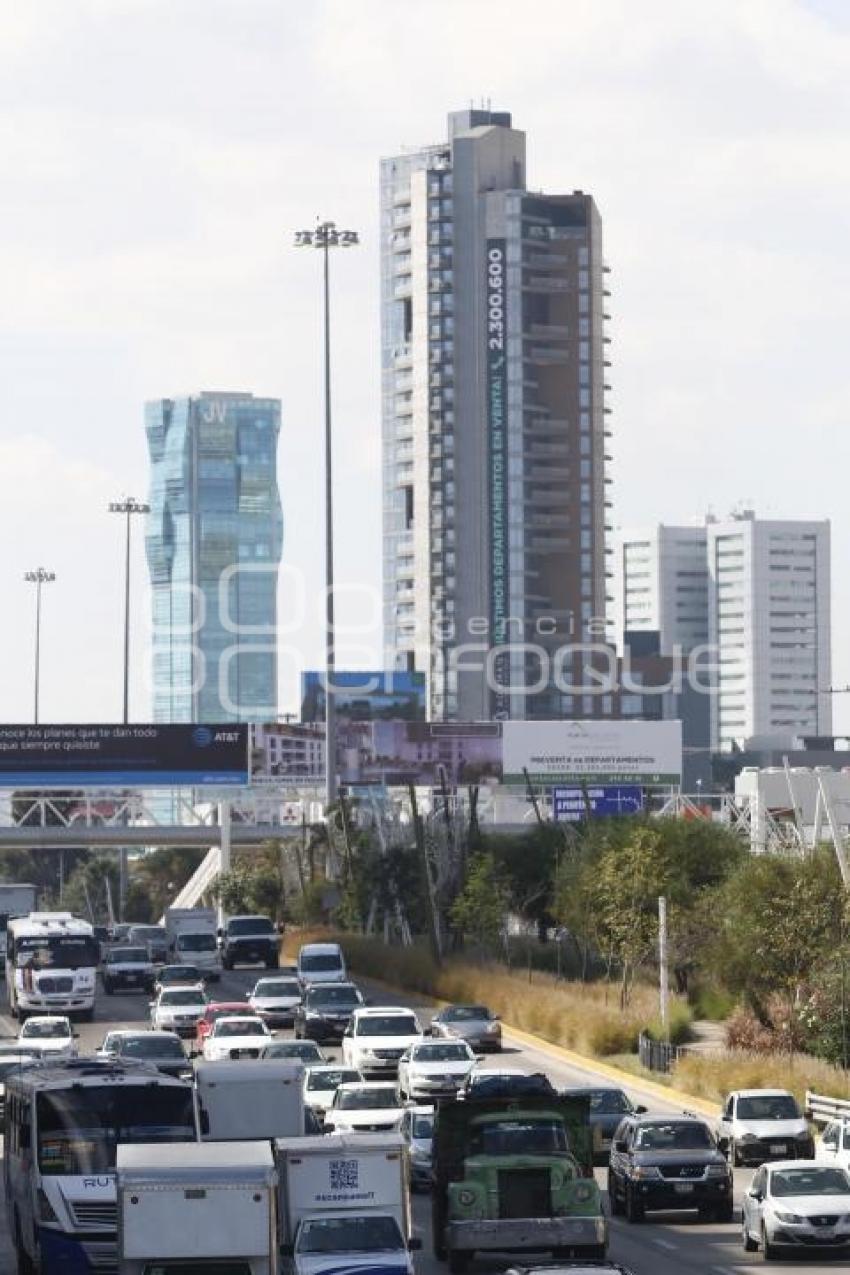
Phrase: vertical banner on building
[497,400]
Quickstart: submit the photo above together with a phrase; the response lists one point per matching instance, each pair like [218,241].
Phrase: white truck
[345,1202]
[193,939]
[15,900]
[190,1207]
[262,1098]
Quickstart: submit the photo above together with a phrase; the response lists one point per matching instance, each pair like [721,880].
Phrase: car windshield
[320,962]
[250,925]
[422,1126]
[519,1137]
[80,1127]
[364,1099]
[128,956]
[239,1027]
[223,1011]
[196,942]
[776,1106]
[465,1014]
[278,987]
[330,1079]
[675,1136]
[349,1235]
[179,974]
[60,952]
[147,1046]
[148,933]
[387,1025]
[605,1102]
[441,1053]
[306,1050]
[812,1181]
[319,997]
[181,996]
[46,1029]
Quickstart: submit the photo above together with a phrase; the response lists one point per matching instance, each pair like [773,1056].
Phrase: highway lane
[671,1244]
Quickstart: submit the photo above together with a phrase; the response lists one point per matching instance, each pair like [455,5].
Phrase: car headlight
[717,1171]
[494,1027]
[643,1172]
[583,1192]
[466,1197]
[788,1217]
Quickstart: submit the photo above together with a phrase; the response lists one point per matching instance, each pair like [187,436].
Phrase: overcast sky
[156,157]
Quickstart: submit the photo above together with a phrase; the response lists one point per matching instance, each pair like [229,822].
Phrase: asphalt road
[668,1244]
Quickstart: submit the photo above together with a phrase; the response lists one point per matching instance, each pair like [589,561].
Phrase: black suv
[247,940]
[668,1162]
[326,1011]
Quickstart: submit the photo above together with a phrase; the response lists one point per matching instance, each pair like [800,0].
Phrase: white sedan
[177,1009]
[368,1106]
[796,1204]
[51,1034]
[236,1036]
[322,1081]
[276,1000]
[434,1068]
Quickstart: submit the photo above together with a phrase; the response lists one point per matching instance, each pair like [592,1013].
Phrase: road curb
[582,1061]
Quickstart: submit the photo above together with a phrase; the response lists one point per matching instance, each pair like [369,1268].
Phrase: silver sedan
[475,1024]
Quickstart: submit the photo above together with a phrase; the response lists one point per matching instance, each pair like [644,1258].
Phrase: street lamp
[38,577]
[324,237]
[128,506]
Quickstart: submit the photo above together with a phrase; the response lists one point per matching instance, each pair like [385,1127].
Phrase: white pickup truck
[344,1203]
[197,1207]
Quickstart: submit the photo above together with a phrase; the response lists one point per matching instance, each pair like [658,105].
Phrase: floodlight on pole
[40,576]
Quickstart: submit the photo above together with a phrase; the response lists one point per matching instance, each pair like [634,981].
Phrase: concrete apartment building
[758,592]
[494,425]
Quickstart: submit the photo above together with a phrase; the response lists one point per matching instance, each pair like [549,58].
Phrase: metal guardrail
[656,1055]
[822,1109]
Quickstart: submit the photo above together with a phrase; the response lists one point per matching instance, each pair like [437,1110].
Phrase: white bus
[51,965]
[62,1125]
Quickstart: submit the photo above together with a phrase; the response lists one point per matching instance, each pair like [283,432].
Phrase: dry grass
[712,1076]
[582,1016]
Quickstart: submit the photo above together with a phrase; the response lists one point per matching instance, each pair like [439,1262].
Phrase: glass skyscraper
[214,540]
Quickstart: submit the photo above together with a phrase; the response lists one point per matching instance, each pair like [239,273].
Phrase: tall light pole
[324,237]
[128,507]
[38,577]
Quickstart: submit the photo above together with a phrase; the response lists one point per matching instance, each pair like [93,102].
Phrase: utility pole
[664,990]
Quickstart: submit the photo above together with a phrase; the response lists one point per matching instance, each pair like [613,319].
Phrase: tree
[481,909]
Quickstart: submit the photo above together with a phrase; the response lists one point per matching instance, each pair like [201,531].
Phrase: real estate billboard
[604,752]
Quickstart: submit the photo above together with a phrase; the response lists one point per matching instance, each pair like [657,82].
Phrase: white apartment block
[769,618]
[662,585]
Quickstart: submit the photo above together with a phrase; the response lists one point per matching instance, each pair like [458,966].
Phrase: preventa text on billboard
[140,755]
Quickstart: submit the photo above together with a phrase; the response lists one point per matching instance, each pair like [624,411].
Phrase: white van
[321,963]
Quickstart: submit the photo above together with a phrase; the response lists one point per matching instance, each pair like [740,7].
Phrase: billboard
[123,756]
[604,752]
[497,436]
[571,805]
[363,696]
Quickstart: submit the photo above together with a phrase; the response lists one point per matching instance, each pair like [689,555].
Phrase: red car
[214,1010]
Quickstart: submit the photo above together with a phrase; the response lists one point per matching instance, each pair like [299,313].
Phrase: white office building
[493,305]
[769,618]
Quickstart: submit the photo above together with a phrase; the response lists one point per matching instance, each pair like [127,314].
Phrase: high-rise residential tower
[214,542]
[494,433]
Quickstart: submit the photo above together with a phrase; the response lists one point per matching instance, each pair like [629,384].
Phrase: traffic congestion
[210,1108]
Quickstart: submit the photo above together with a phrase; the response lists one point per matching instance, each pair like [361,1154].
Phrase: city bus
[51,965]
[62,1125]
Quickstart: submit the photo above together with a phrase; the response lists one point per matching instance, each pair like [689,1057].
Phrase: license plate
[683,1188]
[777,1148]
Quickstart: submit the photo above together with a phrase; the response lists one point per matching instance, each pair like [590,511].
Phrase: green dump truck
[514,1173]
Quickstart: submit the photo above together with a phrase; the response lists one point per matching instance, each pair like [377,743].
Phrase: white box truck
[193,939]
[188,1207]
[253,1098]
[345,1202]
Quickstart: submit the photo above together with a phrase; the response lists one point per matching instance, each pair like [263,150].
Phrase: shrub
[714,1075]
